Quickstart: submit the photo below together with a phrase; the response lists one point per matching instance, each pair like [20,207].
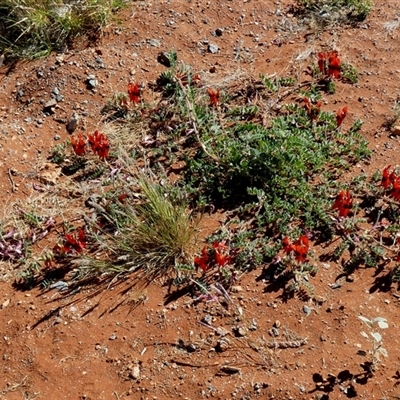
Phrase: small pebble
[213,48]
[307,310]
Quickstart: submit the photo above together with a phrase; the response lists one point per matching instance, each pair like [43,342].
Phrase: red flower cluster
[329,64]
[341,115]
[97,141]
[313,110]
[99,144]
[203,260]
[78,144]
[73,243]
[343,203]
[214,97]
[299,247]
[134,92]
[389,178]
[221,256]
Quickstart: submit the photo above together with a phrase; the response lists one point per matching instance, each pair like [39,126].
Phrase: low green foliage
[268,153]
[280,162]
[34,28]
[336,11]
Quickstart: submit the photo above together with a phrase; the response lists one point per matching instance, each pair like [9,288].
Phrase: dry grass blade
[155,235]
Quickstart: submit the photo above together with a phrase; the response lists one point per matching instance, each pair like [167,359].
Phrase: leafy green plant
[375,339]
[279,161]
[349,73]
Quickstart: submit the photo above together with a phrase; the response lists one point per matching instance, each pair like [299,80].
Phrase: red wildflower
[341,115]
[322,58]
[387,177]
[299,247]
[78,144]
[343,203]
[196,80]
[287,247]
[214,97]
[395,191]
[203,260]
[222,256]
[73,242]
[99,144]
[334,64]
[312,110]
[134,92]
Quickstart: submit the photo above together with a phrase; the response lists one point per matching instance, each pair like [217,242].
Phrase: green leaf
[366,321]
[377,336]
[382,322]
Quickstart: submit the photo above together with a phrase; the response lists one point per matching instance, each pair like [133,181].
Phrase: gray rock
[50,104]
[154,42]
[135,372]
[307,310]
[91,82]
[213,48]
[72,123]
[59,285]
[240,331]
[275,332]
[207,319]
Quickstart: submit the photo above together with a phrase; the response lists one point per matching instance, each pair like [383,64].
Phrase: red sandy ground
[86,346]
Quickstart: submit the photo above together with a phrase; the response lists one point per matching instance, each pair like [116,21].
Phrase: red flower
[334,64]
[341,115]
[134,92]
[203,260]
[287,247]
[343,203]
[395,191]
[99,144]
[222,256]
[322,58]
[196,81]
[312,110]
[214,97]
[78,144]
[387,178]
[299,247]
[73,242]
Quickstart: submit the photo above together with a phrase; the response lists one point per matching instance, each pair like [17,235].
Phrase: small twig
[187,364]
[13,186]
[14,387]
